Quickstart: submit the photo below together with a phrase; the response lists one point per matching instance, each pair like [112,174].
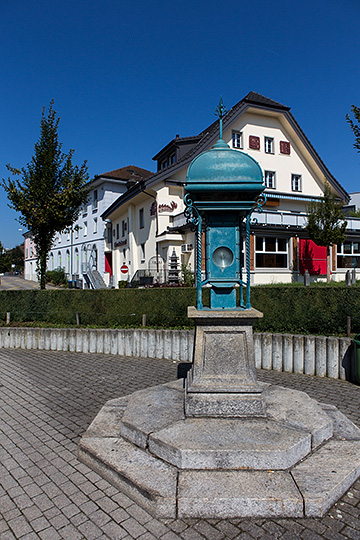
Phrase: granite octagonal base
[298,461]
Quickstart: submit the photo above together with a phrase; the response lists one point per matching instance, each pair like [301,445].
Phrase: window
[296,182]
[123,227]
[141,218]
[117,231]
[77,261]
[95,225]
[271,252]
[348,254]
[109,233]
[142,252]
[76,228]
[269,145]
[85,228]
[237,139]
[95,200]
[172,159]
[270,179]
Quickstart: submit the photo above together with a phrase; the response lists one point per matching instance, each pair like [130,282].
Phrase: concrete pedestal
[222,382]
[295,463]
[222,445]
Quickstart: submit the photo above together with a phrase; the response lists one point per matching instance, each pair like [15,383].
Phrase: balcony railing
[283,219]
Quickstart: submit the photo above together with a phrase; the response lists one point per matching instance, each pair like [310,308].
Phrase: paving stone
[133,527]
[56,395]
[90,530]
[207,530]
[19,526]
[156,527]
[49,534]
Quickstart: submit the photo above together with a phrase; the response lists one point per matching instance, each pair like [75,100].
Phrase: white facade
[29,258]
[80,251]
[143,239]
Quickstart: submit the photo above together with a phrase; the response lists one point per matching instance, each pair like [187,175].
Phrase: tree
[51,190]
[326,223]
[355,125]
[17,257]
[5,260]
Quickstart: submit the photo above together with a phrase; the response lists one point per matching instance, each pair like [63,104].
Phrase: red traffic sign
[124,269]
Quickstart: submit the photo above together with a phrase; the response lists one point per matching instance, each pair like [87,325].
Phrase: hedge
[309,310]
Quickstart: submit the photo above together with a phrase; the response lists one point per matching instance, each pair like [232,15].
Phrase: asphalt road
[12,283]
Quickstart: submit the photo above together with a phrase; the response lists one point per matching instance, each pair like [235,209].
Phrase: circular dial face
[223,257]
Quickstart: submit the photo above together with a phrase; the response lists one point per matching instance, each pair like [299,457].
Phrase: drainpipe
[157,227]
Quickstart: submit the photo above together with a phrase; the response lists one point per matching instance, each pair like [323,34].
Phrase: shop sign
[167,207]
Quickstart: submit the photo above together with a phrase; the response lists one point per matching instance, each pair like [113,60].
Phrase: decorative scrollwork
[258,207]
[260,202]
[191,212]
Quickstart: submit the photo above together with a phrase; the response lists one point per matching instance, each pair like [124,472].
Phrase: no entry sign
[124,269]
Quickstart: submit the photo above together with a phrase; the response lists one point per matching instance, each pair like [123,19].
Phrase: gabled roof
[208,136]
[131,172]
[259,99]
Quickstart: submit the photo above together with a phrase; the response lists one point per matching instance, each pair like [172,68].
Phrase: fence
[311,355]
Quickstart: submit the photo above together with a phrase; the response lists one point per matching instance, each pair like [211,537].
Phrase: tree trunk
[42,268]
[328,261]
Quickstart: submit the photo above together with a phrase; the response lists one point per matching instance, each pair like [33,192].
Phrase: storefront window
[348,255]
[271,252]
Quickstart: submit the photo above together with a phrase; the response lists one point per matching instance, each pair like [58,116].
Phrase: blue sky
[127,76]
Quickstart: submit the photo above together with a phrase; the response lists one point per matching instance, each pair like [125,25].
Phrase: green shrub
[310,310]
[57,276]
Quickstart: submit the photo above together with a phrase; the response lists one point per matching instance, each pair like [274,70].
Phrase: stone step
[229,494]
[324,476]
[145,479]
[223,443]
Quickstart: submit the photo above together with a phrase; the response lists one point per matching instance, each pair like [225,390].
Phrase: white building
[148,223]
[80,251]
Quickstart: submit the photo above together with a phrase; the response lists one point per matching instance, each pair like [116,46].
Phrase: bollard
[77,314]
[353,276]
[348,278]
[307,278]
[348,330]
[8,317]
[144,320]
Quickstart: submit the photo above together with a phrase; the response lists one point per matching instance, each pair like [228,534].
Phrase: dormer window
[169,160]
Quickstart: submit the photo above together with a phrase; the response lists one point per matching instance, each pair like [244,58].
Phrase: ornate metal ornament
[224,187]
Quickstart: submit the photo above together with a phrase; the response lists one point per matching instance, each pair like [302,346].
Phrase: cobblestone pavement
[47,400]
